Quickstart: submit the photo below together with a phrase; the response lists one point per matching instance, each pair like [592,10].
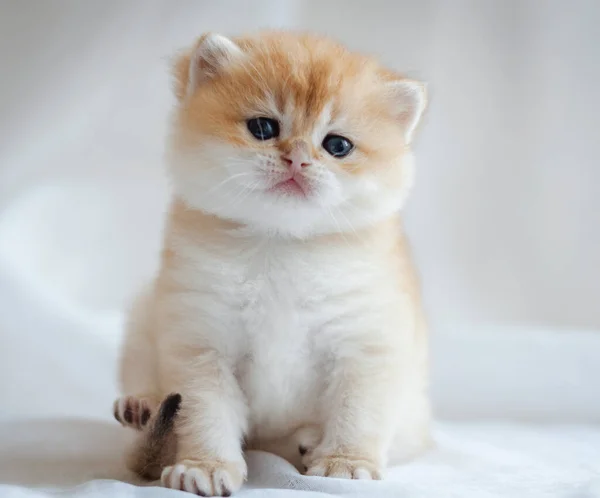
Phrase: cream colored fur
[283,323]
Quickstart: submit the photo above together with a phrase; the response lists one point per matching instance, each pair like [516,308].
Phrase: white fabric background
[505,221]
[506,214]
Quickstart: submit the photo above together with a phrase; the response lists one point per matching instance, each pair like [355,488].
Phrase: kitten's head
[291,133]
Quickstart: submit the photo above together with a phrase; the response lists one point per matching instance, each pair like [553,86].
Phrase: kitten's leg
[139,378]
[138,368]
[360,412]
[210,427]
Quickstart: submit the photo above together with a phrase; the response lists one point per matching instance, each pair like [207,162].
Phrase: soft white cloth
[472,460]
[57,370]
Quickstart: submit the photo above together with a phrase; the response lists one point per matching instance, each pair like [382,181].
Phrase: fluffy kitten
[286,311]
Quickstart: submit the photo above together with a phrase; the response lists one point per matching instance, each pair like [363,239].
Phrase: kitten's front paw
[343,467]
[205,478]
[132,411]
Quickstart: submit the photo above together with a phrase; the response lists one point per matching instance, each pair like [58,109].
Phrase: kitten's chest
[285,291]
[281,313]
[276,292]
[270,305]
[272,295]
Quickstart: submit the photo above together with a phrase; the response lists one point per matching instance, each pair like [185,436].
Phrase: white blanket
[472,460]
[57,370]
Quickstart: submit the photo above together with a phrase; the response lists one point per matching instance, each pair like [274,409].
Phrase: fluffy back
[291,133]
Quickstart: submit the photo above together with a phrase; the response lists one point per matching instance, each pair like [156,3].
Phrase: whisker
[243,193]
[369,221]
[339,227]
[332,216]
[243,196]
[228,179]
[339,210]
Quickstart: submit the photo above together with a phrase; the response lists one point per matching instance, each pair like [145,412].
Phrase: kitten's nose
[296,159]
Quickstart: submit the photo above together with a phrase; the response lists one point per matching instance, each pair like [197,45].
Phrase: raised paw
[133,412]
[204,478]
[344,467]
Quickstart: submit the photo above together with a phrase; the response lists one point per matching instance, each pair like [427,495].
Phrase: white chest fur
[270,308]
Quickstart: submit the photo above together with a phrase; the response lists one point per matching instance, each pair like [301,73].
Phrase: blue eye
[263,128]
[337,145]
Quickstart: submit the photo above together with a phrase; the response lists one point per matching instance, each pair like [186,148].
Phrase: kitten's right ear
[211,54]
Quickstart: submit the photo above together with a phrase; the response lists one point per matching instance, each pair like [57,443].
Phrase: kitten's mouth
[291,186]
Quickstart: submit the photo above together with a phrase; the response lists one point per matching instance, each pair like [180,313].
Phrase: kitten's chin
[294,214]
[284,210]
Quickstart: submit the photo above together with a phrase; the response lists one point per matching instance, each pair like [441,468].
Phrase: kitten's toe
[132,411]
[204,478]
[344,467]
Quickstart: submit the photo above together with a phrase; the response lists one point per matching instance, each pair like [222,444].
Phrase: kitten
[286,311]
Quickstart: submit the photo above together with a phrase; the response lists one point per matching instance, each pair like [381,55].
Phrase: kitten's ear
[408,100]
[210,55]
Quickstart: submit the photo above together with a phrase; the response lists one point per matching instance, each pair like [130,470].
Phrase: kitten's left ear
[408,100]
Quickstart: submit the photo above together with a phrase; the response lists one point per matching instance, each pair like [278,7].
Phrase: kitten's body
[282,325]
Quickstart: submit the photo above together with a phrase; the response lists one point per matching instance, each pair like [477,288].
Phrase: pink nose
[295,160]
